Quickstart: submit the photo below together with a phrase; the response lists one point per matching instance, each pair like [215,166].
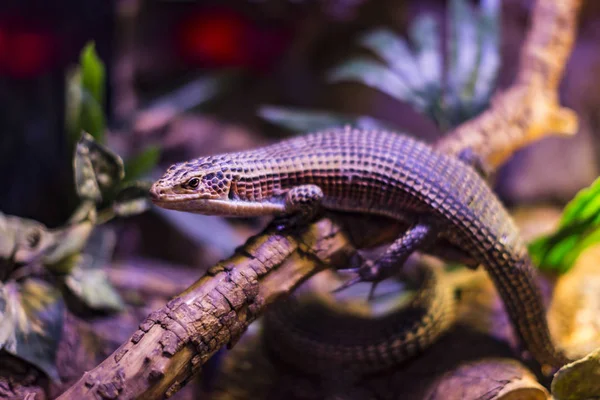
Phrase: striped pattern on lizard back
[390,174]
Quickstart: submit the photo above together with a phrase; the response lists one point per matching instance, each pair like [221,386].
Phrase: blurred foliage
[84,110]
[45,271]
[31,316]
[310,121]
[412,70]
[579,228]
[69,258]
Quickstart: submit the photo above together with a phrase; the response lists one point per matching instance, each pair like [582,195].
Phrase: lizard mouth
[220,207]
[187,203]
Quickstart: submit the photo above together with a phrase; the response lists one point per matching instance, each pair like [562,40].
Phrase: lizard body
[381,173]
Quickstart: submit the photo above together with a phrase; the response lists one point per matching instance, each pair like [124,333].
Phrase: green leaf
[93,81]
[93,74]
[92,117]
[31,322]
[73,105]
[97,169]
[301,120]
[584,206]
[132,199]
[91,286]
[85,96]
[142,163]
[579,228]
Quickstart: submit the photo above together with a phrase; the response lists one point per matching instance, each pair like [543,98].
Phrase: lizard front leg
[301,205]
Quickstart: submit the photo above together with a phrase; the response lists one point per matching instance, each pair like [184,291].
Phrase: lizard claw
[347,284]
[371,295]
[367,272]
[354,281]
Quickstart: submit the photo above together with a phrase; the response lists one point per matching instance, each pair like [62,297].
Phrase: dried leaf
[85,212]
[31,319]
[132,199]
[97,169]
[70,240]
[32,239]
[578,380]
[85,180]
[8,238]
[93,288]
[299,120]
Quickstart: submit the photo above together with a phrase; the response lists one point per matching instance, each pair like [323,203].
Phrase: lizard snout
[156,192]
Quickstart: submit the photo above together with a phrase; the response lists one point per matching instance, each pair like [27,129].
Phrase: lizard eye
[193,183]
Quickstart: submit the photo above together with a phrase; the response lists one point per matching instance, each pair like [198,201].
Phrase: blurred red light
[28,48]
[214,37]
[29,54]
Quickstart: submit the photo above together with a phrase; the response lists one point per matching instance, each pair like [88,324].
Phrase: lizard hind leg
[418,236]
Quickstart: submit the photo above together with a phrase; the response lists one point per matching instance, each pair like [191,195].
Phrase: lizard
[440,197]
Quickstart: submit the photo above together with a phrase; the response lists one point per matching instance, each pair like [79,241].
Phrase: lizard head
[197,186]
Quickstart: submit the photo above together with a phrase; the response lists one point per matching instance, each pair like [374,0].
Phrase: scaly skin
[317,338]
[380,173]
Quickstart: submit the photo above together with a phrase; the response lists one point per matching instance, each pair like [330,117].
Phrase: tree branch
[529,109]
[173,343]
